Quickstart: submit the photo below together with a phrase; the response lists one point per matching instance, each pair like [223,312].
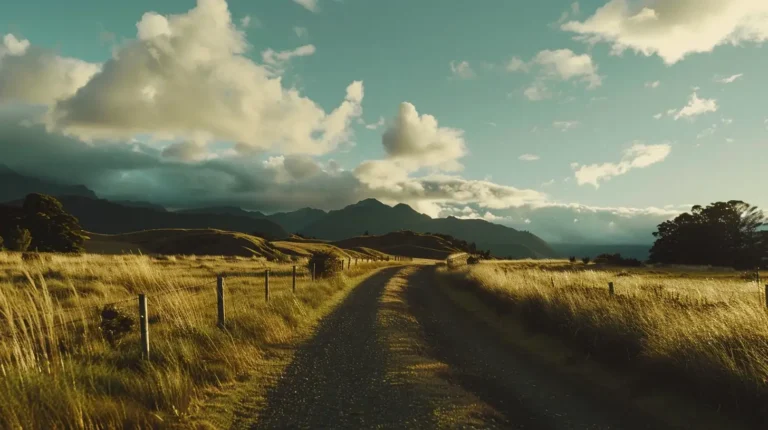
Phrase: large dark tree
[51,227]
[721,234]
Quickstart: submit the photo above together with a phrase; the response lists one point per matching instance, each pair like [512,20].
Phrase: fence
[160,305]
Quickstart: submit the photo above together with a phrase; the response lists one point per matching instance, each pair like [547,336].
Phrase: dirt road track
[343,377]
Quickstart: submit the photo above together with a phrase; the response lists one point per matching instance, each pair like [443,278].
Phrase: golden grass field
[59,372]
[699,329]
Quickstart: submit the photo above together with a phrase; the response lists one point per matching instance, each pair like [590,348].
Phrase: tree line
[40,224]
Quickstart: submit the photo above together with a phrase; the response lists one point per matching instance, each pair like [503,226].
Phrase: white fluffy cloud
[186,78]
[32,75]
[462,70]
[415,141]
[566,65]
[673,29]
[695,107]
[638,156]
[557,65]
[310,5]
[654,84]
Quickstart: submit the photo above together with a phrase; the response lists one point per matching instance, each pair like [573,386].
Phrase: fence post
[313,272]
[220,300]
[144,326]
[266,285]
[349,263]
[610,288]
[294,279]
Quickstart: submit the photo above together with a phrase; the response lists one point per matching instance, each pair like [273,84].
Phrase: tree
[572,259]
[366,233]
[721,234]
[19,239]
[585,260]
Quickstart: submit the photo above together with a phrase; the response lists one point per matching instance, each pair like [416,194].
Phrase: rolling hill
[377,218]
[405,243]
[213,242]
[106,217]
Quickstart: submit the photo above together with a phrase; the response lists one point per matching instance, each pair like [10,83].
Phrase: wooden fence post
[266,285]
[220,300]
[294,279]
[349,263]
[313,271]
[610,288]
[144,326]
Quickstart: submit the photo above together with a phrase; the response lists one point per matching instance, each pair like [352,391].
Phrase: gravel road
[339,379]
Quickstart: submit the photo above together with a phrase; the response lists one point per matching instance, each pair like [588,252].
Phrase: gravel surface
[342,377]
[338,379]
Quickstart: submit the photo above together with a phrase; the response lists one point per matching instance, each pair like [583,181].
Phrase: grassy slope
[408,244]
[702,333]
[59,371]
[215,242]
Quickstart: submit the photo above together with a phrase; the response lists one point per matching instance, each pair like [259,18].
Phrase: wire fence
[153,306]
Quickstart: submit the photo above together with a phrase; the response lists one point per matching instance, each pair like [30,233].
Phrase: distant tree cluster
[721,234]
[40,224]
[617,260]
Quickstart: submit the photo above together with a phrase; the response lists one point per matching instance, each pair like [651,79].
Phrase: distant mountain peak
[371,202]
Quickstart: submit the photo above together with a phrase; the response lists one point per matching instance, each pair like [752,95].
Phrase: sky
[588,121]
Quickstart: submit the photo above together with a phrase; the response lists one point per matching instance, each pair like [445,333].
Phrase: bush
[586,260]
[19,239]
[572,259]
[115,324]
[473,260]
[325,264]
[617,260]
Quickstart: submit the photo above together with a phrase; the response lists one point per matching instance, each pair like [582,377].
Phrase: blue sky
[607,116]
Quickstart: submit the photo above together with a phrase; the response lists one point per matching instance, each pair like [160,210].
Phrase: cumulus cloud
[186,77]
[674,29]
[658,116]
[654,84]
[557,65]
[415,141]
[730,79]
[537,91]
[462,70]
[528,157]
[638,156]
[310,5]
[29,74]
[695,107]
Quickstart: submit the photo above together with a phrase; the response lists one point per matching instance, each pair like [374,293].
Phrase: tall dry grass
[58,371]
[706,332]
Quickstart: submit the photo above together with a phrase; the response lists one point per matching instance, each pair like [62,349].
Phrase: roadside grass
[706,335]
[60,372]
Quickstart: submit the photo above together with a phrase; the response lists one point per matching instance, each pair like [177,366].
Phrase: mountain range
[368,216]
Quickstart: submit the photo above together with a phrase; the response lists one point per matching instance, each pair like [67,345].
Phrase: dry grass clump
[709,334]
[60,370]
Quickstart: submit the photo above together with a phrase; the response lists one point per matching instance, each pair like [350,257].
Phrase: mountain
[138,204]
[376,218]
[295,221]
[14,186]
[224,210]
[105,217]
